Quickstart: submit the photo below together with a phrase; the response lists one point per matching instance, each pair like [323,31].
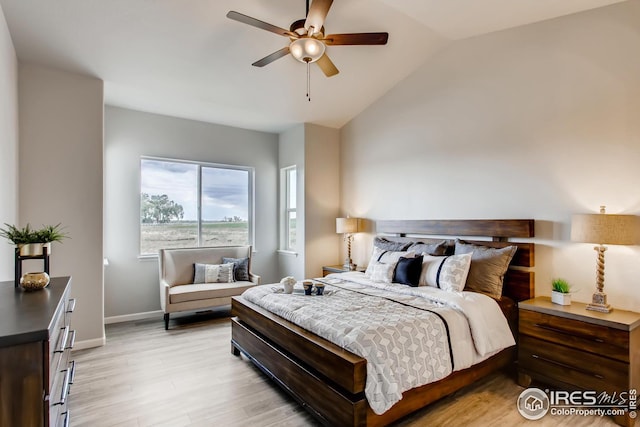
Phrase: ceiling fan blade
[327,66]
[317,14]
[270,58]
[236,16]
[356,39]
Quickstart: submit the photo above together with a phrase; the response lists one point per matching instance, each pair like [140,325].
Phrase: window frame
[287,210]
[250,195]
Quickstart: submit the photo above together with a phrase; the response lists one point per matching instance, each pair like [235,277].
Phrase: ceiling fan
[308,41]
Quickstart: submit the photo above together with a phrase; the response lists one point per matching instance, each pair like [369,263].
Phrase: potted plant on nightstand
[561,293]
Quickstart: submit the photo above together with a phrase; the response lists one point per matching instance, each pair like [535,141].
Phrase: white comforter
[407,335]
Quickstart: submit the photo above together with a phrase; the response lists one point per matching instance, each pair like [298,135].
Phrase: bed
[330,381]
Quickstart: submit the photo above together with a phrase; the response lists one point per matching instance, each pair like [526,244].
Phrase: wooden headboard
[519,282]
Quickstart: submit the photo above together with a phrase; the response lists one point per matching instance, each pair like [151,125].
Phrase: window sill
[288,253]
[148,257]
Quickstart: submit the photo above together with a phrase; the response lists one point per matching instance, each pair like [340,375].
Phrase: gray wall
[8,144]
[291,153]
[61,128]
[131,284]
[314,150]
[322,198]
[540,121]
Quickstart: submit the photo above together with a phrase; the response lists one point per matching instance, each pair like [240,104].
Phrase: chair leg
[166,321]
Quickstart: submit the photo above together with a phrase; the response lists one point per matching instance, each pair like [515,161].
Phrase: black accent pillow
[408,271]
[240,268]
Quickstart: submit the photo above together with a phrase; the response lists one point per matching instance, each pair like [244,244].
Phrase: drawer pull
[65,388]
[67,418]
[73,371]
[63,342]
[71,305]
[572,334]
[564,365]
[72,341]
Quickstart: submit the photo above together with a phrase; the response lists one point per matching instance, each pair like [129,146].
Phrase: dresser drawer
[571,366]
[583,336]
[60,392]
[57,335]
[64,419]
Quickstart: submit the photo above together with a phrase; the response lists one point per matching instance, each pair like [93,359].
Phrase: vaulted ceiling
[186,59]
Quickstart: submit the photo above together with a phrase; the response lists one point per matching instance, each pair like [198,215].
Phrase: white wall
[540,121]
[61,118]
[8,144]
[131,284]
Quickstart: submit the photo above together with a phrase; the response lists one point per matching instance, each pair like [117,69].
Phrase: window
[189,204]
[289,219]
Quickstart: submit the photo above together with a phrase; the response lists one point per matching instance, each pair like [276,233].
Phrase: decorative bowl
[34,281]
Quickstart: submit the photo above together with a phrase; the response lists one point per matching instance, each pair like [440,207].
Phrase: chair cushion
[201,291]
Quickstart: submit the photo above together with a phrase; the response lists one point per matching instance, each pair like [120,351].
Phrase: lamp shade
[347,225]
[605,229]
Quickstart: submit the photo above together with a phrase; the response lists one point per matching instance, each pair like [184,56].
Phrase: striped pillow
[213,273]
[445,272]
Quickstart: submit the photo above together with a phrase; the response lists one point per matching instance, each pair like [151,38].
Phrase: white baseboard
[96,342]
[135,316]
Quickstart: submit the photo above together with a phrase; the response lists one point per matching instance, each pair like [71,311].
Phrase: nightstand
[328,269]
[571,348]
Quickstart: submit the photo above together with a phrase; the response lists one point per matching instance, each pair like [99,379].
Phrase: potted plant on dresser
[30,241]
[561,292]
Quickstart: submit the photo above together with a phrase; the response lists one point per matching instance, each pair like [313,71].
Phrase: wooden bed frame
[330,381]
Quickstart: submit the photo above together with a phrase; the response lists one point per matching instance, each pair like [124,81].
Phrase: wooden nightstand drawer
[588,337]
[572,348]
[567,366]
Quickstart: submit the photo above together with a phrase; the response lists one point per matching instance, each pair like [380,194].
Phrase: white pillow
[385,257]
[213,273]
[381,272]
[445,272]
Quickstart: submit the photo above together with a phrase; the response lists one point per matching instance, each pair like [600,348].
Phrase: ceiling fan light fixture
[307,49]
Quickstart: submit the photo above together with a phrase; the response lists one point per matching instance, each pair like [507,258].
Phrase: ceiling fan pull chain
[309,81]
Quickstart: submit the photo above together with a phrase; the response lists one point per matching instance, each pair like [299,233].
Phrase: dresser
[35,342]
[572,348]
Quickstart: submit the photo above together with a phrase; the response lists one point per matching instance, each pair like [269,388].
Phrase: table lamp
[603,229]
[348,226]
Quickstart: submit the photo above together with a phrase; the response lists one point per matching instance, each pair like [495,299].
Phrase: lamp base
[599,303]
[348,265]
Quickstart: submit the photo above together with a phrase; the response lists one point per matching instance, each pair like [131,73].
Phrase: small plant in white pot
[561,293]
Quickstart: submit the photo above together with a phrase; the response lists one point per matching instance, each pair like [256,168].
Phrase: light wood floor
[146,376]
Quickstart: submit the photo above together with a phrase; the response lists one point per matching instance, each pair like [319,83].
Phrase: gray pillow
[435,249]
[488,267]
[390,245]
[240,268]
